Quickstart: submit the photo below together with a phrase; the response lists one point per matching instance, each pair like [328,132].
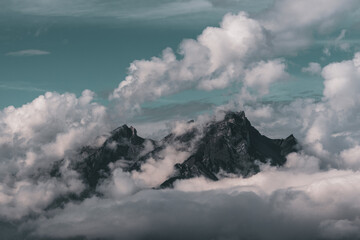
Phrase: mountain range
[215,149]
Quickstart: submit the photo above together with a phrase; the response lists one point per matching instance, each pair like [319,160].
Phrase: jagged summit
[235,116]
[125,132]
[228,146]
[232,146]
[123,145]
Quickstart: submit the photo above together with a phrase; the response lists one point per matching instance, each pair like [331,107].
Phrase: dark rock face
[230,146]
[124,144]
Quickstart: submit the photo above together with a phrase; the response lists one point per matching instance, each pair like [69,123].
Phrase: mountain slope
[229,146]
[232,146]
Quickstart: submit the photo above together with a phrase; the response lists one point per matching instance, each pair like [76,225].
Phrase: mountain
[232,146]
[123,146]
[229,146]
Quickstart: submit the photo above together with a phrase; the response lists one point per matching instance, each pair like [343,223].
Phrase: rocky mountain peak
[231,146]
[125,133]
[235,117]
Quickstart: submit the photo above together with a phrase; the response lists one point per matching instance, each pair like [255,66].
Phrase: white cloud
[156,171]
[341,83]
[27,53]
[313,68]
[224,55]
[351,157]
[262,74]
[279,204]
[215,60]
[36,135]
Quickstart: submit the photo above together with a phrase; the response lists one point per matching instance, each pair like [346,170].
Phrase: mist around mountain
[215,150]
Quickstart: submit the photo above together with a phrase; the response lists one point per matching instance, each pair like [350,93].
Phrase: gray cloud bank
[314,196]
[322,207]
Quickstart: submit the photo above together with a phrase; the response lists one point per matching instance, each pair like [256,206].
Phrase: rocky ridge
[229,146]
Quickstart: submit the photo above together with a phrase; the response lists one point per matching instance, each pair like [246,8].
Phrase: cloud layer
[33,138]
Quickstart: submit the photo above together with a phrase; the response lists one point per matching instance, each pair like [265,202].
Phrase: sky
[90,44]
[68,46]
[71,71]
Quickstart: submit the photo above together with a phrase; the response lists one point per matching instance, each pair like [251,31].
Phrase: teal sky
[90,44]
[91,50]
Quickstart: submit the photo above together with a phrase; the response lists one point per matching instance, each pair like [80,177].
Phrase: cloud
[261,75]
[154,172]
[27,53]
[271,205]
[296,32]
[313,68]
[124,9]
[130,10]
[31,89]
[244,4]
[223,56]
[340,229]
[35,136]
[341,82]
[340,43]
[215,60]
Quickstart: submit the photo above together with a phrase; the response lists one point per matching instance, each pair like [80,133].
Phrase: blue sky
[69,46]
[91,45]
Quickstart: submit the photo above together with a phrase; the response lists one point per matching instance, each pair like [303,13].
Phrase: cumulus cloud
[219,57]
[213,61]
[341,81]
[33,138]
[313,68]
[27,53]
[228,54]
[262,74]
